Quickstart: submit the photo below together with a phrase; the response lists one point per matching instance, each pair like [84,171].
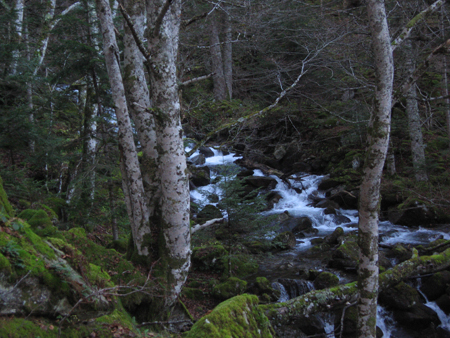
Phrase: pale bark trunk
[228,57]
[18,25]
[133,184]
[414,125]
[174,202]
[220,86]
[447,100]
[378,140]
[138,98]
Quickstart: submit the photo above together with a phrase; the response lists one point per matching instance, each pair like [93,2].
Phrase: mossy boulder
[436,285]
[200,176]
[236,317]
[400,253]
[325,280]
[400,297]
[208,258]
[417,213]
[264,290]
[39,221]
[231,287]
[241,265]
[284,241]
[208,212]
[346,256]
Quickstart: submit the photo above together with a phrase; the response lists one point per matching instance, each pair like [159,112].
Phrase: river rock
[436,285]
[341,219]
[400,297]
[284,241]
[296,224]
[418,317]
[400,253]
[200,176]
[264,290]
[346,256]
[206,151]
[333,238]
[346,199]
[416,213]
[209,212]
[325,280]
[273,198]
[326,203]
[198,159]
[444,303]
[329,183]
[261,182]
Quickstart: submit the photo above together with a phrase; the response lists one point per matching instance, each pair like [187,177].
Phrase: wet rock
[436,285]
[400,253]
[326,203]
[444,303]
[329,183]
[263,289]
[330,211]
[346,256]
[417,318]
[302,224]
[200,176]
[279,152]
[261,182]
[341,219]
[333,238]
[198,159]
[416,213]
[284,241]
[400,297]
[206,151]
[325,280]
[346,199]
[273,198]
[239,147]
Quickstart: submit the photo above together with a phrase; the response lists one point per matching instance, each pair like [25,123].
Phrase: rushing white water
[296,200]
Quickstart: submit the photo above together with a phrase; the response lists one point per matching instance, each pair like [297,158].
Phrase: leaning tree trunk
[131,172]
[414,126]
[174,232]
[378,139]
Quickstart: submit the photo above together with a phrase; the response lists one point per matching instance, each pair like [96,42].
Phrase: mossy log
[339,296]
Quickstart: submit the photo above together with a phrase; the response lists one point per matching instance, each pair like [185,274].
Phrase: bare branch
[406,31]
[200,78]
[160,17]
[197,227]
[186,23]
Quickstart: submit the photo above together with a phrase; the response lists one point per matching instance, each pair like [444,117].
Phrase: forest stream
[297,197]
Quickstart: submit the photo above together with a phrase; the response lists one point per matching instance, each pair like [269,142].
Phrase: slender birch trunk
[414,125]
[378,138]
[174,202]
[18,26]
[131,172]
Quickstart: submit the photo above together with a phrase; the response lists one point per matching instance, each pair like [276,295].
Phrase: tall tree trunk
[220,86]
[131,172]
[378,139]
[228,56]
[18,26]
[138,98]
[174,201]
[447,100]
[414,125]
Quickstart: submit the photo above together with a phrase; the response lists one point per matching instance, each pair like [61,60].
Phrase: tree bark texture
[220,86]
[174,200]
[228,56]
[414,125]
[138,98]
[131,172]
[378,140]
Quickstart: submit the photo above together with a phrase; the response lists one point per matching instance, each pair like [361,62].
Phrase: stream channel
[296,200]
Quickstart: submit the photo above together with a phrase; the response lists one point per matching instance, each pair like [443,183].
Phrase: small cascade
[385,321]
[284,296]
[296,287]
[445,320]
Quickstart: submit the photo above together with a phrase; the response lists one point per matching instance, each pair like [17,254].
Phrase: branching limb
[160,17]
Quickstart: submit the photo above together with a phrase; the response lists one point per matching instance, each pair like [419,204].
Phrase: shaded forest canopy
[94,98]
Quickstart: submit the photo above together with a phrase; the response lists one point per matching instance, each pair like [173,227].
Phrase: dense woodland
[98,100]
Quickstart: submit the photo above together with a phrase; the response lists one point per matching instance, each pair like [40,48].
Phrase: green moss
[193,293]
[117,317]
[241,266]
[231,287]
[208,257]
[41,223]
[236,317]
[27,214]
[99,277]
[5,206]
[79,232]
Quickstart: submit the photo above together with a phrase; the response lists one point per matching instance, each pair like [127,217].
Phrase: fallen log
[336,297]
